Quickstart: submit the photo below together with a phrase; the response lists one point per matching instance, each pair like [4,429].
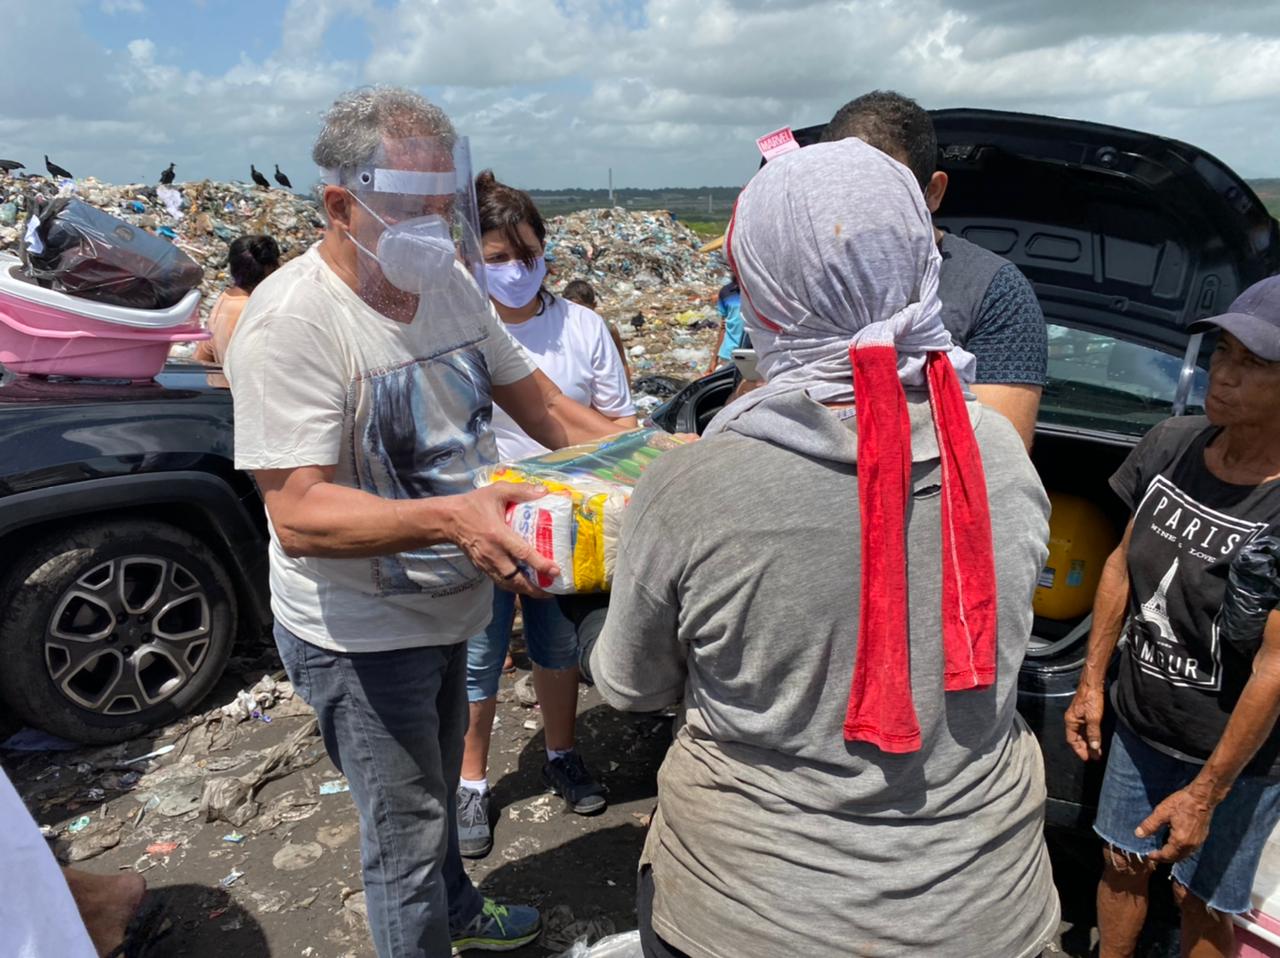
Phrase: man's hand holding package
[314,516]
[479,526]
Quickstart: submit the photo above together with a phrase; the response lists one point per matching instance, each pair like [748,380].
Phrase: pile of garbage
[200,218]
[621,251]
[645,266]
[652,283]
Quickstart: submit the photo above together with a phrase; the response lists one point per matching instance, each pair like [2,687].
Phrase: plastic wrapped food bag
[1253,591]
[578,524]
[625,945]
[78,249]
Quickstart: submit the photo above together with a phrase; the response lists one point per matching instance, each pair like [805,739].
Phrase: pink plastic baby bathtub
[45,333]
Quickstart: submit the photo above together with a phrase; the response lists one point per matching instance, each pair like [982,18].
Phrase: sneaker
[475,834]
[498,928]
[568,777]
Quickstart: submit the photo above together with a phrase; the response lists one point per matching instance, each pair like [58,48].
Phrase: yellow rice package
[577,525]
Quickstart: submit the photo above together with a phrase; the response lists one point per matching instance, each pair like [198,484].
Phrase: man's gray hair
[359,120]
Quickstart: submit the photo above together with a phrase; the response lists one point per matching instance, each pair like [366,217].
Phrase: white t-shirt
[572,345]
[402,410]
[38,916]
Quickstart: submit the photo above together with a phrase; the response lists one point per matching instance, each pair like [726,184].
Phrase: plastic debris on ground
[561,929]
[233,799]
[232,877]
[336,787]
[34,740]
[624,945]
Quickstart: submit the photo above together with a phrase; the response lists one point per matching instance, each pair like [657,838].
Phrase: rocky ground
[243,824]
[282,878]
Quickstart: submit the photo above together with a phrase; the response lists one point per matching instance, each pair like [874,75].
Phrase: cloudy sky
[555,92]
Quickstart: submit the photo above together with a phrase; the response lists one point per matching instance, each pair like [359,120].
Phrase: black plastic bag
[1253,592]
[80,250]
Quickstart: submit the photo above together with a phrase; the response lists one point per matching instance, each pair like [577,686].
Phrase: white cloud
[111,7]
[554,92]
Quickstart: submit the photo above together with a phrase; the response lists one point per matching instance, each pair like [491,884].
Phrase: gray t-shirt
[773,835]
[991,310]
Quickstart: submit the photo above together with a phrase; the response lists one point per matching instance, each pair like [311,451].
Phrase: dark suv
[1127,239]
[131,550]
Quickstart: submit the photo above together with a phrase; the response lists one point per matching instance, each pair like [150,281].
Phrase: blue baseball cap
[1254,319]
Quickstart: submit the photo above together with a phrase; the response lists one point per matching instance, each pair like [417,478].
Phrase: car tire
[111,628]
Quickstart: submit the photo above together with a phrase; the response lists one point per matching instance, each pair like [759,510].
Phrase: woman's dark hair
[579,291]
[251,258]
[504,208]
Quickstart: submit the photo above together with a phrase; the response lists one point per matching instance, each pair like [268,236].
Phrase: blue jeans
[393,723]
[550,637]
[1220,873]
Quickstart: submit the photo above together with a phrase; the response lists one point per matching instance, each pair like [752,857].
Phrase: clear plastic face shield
[415,227]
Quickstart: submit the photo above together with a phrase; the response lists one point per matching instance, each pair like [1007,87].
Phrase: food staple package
[577,525]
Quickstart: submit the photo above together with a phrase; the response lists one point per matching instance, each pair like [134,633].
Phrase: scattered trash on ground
[292,858]
[335,787]
[562,930]
[232,877]
[34,740]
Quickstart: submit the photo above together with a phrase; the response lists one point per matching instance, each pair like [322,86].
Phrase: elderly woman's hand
[1187,813]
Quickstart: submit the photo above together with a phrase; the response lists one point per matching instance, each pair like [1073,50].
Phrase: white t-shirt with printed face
[402,410]
[572,345]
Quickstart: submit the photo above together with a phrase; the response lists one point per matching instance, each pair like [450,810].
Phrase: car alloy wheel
[128,634]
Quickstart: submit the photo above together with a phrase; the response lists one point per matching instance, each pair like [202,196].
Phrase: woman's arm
[549,416]
[1084,714]
[1188,812]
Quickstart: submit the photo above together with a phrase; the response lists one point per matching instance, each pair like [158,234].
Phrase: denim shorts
[1220,873]
[550,637]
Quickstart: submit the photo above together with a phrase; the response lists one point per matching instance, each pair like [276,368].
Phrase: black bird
[282,179]
[637,321]
[56,170]
[8,166]
[167,176]
[259,178]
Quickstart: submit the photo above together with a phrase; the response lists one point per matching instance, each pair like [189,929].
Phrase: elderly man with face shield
[364,374]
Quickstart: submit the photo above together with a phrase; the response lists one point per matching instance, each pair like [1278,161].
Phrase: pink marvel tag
[774,144]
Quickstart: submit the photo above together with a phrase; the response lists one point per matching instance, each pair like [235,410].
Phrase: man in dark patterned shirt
[987,304]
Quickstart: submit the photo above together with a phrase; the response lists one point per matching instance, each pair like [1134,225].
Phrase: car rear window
[1096,381]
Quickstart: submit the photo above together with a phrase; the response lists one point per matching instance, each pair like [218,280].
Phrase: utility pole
[611,186]
[709,211]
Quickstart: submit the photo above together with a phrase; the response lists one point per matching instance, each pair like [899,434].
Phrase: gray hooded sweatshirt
[737,590]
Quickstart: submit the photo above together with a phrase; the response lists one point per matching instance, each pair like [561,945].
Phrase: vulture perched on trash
[282,179]
[56,170]
[167,176]
[8,166]
[258,177]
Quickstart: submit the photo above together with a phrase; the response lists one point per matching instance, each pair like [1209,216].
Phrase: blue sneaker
[498,928]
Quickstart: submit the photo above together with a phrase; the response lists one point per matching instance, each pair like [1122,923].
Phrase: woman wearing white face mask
[571,344]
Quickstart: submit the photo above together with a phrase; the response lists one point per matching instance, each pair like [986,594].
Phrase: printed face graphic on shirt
[1174,528]
[422,429]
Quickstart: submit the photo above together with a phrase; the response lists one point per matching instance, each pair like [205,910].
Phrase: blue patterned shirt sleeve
[1009,338]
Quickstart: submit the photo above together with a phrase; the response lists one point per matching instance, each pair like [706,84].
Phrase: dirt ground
[297,860]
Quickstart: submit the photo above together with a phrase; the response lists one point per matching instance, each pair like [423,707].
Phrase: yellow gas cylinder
[1080,539]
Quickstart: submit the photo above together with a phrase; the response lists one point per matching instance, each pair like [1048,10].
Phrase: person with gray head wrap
[851,776]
